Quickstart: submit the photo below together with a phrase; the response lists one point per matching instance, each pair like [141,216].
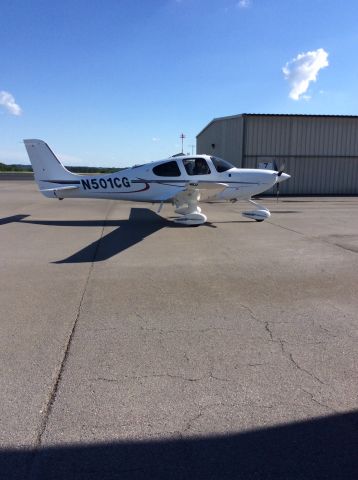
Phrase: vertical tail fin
[48,170]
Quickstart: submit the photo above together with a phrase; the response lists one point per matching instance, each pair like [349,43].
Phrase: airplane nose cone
[283,177]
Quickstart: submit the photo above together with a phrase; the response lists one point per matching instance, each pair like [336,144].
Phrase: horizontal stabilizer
[60,189]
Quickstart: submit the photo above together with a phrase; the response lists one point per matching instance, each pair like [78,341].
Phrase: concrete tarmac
[132,347]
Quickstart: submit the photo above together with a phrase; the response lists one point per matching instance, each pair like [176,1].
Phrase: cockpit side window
[167,169]
[196,166]
[221,165]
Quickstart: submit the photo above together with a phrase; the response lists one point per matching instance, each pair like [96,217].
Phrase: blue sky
[115,82]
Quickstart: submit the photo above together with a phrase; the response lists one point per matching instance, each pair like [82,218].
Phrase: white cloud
[303,69]
[156,139]
[8,101]
[243,3]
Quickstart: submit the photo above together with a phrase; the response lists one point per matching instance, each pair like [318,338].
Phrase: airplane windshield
[220,164]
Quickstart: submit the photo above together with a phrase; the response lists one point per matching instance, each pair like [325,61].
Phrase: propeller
[281,169]
[279,173]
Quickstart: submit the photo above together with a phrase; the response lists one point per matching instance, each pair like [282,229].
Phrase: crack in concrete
[298,366]
[219,379]
[327,331]
[192,420]
[140,317]
[294,362]
[265,323]
[57,376]
[202,410]
[141,377]
[269,331]
[314,400]
[158,375]
[282,343]
[168,375]
[188,330]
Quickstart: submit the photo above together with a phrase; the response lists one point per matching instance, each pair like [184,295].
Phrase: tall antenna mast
[182,136]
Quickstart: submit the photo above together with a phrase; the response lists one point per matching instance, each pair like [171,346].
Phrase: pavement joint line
[348,249]
[286,228]
[46,410]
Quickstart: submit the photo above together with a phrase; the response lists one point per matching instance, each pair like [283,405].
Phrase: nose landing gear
[260,214]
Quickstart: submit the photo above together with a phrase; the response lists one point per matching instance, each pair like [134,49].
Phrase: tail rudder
[48,169]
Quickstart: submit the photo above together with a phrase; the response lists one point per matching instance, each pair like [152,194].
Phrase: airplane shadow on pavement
[142,222]
[12,219]
[323,448]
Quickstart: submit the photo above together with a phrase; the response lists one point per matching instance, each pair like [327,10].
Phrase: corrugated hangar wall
[320,152]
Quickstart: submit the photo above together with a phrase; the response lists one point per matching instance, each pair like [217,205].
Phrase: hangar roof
[273,115]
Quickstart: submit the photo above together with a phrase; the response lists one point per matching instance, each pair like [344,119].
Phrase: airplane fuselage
[142,184]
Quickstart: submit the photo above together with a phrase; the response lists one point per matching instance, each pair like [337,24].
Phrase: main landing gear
[191,214]
[260,214]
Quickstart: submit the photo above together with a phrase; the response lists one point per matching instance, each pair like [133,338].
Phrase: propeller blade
[281,170]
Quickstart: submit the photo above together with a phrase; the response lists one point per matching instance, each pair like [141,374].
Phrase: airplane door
[196,166]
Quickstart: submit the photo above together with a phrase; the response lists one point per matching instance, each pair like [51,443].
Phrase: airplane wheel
[191,219]
[259,220]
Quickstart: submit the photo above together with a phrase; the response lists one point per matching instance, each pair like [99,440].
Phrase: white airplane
[183,180]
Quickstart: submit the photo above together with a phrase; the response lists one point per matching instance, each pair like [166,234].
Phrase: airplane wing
[205,188]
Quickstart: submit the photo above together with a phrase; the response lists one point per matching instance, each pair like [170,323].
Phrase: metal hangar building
[320,152]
